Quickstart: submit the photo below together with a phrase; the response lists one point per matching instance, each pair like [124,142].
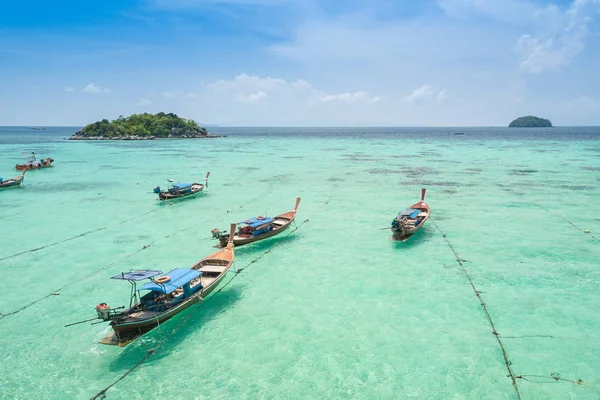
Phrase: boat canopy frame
[134,276]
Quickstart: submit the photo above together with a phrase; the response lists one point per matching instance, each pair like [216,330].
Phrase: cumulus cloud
[251,98]
[142,102]
[91,88]
[426,92]
[561,40]
[251,89]
[255,100]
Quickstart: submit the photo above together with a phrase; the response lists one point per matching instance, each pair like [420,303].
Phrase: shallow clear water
[336,309]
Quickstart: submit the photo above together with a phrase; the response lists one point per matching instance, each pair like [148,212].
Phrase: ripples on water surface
[337,310]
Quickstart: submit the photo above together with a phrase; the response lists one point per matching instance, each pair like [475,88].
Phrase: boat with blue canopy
[180,189]
[410,220]
[163,295]
[258,228]
[12,182]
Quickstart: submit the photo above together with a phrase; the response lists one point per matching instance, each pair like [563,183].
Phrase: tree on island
[143,126]
[530,122]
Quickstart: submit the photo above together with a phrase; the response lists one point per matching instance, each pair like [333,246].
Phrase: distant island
[142,127]
[530,122]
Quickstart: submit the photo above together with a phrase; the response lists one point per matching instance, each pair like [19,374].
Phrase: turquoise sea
[336,309]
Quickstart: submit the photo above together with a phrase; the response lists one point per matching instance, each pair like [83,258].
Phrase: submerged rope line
[553,378]
[75,237]
[50,245]
[460,261]
[569,222]
[587,232]
[57,292]
[112,264]
[102,394]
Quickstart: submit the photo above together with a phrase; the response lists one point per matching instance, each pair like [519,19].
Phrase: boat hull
[11,183]
[140,327]
[239,240]
[127,328]
[35,165]
[403,234]
[196,188]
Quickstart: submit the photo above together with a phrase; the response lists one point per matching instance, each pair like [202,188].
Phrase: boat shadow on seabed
[175,331]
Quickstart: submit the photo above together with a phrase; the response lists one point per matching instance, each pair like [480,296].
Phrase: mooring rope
[52,244]
[74,237]
[587,232]
[460,261]
[112,264]
[102,394]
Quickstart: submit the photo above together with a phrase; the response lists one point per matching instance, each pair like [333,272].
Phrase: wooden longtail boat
[258,228]
[410,220]
[179,189]
[35,164]
[166,295]
[12,182]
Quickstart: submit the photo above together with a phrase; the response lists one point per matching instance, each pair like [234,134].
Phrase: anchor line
[511,374]
[102,394]
[112,264]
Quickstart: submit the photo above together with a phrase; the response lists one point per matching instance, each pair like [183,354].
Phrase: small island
[142,127]
[530,122]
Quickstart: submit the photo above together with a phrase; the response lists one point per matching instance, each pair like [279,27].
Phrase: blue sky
[301,63]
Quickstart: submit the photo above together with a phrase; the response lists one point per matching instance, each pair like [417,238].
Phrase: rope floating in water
[460,261]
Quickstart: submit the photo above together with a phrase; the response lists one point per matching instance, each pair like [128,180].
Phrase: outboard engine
[157,189]
[217,233]
[103,311]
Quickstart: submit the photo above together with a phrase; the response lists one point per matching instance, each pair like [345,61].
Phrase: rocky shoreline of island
[78,136]
[143,127]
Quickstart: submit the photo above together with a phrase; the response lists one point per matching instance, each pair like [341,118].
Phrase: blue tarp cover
[179,277]
[181,185]
[254,222]
[137,274]
[411,212]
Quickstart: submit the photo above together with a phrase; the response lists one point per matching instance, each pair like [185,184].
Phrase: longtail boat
[12,182]
[164,295]
[35,164]
[258,228]
[410,220]
[179,189]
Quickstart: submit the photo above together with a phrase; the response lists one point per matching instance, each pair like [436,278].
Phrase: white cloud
[91,88]
[252,89]
[420,94]
[561,37]
[254,100]
[70,89]
[251,98]
[426,92]
[441,96]
[516,12]
[349,97]
[142,102]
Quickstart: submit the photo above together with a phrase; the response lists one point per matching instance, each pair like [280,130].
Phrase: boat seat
[212,268]
[422,214]
[279,222]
